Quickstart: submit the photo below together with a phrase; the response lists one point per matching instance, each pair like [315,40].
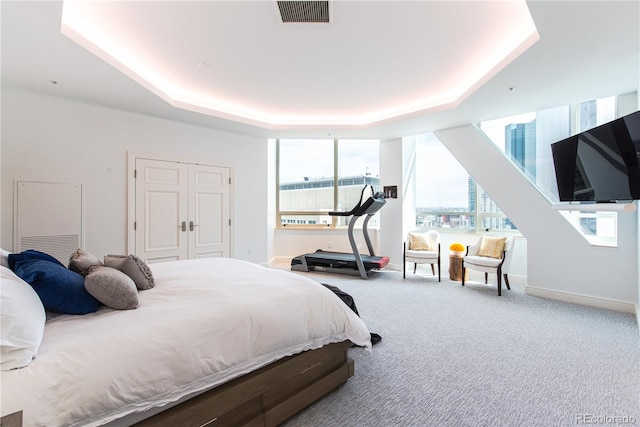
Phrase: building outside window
[316,176]
[447,196]
[526,140]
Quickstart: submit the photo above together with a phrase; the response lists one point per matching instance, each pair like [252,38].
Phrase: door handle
[184,226]
[192,225]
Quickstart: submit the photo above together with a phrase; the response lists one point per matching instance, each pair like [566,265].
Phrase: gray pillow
[111,287]
[80,261]
[133,267]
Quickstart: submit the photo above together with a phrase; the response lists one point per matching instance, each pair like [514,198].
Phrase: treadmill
[348,263]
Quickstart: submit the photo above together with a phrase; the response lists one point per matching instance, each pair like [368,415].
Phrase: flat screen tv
[600,165]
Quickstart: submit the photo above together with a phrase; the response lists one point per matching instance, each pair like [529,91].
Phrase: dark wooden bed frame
[266,397]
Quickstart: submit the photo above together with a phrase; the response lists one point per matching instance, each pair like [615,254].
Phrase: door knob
[184,225]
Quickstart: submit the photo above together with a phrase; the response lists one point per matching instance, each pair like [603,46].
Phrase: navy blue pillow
[60,289]
[29,254]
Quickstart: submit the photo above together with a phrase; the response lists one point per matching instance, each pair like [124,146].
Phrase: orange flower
[456,247]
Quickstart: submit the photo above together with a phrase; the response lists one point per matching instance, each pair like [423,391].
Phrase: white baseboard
[608,304]
[393,267]
[280,260]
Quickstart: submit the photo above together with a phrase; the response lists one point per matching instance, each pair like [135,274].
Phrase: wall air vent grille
[48,218]
[304,11]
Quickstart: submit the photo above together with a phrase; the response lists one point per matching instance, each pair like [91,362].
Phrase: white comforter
[206,322]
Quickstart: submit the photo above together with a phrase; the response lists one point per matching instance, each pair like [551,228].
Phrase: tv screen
[601,164]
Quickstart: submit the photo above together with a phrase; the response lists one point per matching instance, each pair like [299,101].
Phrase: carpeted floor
[462,356]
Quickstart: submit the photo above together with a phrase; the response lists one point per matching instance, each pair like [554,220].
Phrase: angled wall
[561,264]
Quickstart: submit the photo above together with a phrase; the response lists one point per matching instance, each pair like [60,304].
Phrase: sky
[440,179]
[314,159]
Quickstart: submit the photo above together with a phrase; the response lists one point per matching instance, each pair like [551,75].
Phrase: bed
[216,341]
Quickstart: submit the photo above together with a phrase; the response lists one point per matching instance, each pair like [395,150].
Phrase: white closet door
[181,210]
[161,210]
[208,211]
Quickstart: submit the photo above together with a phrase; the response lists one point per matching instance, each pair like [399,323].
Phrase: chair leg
[506,281]
[499,282]
[486,278]
[433,269]
[415,265]
[464,270]
[404,266]
[439,269]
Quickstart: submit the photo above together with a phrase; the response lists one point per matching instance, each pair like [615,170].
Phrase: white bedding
[206,322]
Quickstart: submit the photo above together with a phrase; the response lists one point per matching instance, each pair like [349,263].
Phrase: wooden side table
[455,268]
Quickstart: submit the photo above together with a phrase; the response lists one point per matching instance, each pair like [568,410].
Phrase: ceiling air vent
[304,11]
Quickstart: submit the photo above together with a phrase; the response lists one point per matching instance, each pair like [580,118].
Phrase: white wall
[561,264]
[391,216]
[291,242]
[53,139]
[271,200]
[46,138]
[409,185]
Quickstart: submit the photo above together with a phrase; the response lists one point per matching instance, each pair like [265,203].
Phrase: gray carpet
[462,356]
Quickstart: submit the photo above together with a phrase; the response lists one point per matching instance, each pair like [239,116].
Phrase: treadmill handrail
[359,206]
[372,205]
[341,213]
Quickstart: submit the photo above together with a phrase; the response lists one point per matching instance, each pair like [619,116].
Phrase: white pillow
[4,258]
[23,319]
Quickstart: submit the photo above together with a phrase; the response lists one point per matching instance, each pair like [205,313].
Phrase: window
[526,140]
[316,176]
[447,196]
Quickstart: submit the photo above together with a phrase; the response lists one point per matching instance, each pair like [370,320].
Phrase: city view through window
[448,197]
[526,140]
[318,176]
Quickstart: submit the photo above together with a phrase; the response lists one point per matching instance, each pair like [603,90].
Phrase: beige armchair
[492,254]
[421,248]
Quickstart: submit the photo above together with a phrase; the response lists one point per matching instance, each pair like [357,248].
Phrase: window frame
[575,121]
[476,216]
[335,220]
